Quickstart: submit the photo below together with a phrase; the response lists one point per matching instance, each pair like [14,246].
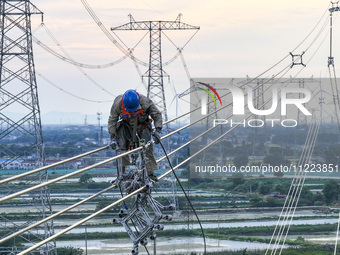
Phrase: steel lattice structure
[155,72]
[20,118]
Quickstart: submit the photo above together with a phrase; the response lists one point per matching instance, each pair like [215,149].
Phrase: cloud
[236,38]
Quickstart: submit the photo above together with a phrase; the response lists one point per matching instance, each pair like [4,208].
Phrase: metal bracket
[335,7]
[330,61]
[295,57]
[139,222]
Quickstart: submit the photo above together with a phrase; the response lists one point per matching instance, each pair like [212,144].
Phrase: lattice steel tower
[20,119]
[155,72]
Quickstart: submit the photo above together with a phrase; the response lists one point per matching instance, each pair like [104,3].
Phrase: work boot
[153,177]
[116,181]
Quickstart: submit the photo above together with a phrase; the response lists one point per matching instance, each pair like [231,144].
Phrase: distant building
[15,164]
[277,195]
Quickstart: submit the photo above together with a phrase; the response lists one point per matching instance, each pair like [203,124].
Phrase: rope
[187,197]
[85,200]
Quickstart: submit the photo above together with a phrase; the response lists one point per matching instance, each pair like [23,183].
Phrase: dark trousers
[125,139]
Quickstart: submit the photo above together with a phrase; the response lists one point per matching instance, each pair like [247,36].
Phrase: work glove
[157,135]
[113,143]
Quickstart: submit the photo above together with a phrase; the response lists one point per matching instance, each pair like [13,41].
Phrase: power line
[191,123]
[108,34]
[125,197]
[295,189]
[91,216]
[68,60]
[71,94]
[68,55]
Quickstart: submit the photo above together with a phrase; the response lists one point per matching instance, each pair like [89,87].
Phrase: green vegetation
[237,191]
[258,189]
[70,251]
[319,250]
[248,234]
[331,191]
[85,178]
[237,233]
[240,160]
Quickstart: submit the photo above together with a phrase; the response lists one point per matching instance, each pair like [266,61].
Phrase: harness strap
[126,114]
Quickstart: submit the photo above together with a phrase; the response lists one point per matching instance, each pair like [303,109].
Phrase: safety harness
[127,116]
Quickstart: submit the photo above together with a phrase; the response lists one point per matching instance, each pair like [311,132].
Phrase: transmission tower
[155,72]
[20,118]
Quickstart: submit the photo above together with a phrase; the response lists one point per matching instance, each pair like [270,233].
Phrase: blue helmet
[131,100]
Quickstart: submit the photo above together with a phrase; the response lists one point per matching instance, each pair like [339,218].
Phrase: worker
[130,120]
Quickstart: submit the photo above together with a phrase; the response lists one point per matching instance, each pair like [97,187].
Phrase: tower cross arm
[334,9]
[18,8]
[150,25]
[34,9]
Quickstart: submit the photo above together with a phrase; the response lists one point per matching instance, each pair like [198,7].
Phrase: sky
[236,39]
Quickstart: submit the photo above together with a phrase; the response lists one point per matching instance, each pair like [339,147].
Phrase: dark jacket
[146,104]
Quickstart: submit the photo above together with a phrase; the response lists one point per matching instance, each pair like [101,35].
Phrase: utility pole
[100,135]
[19,95]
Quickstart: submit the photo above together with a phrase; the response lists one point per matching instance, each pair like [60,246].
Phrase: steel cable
[292,184]
[209,145]
[73,62]
[159,177]
[108,34]
[204,116]
[287,200]
[295,190]
[301,183]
